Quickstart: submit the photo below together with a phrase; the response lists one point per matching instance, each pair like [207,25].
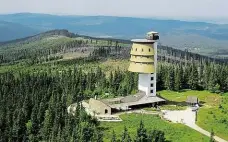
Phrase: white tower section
[147,81]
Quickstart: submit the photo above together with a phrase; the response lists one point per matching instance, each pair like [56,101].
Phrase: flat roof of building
[112,100]
[131,100]
[145,100]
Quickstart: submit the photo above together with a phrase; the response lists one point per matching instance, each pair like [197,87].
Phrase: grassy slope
[52,41]
[107,66]
[173,132]
[206,98]
[39,44]
[111,65]
[209,116]
[215,118]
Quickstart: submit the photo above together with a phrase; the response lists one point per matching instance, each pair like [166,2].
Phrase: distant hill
[67,45]
[9,31]
[39,36]
[205,38]
[117,26]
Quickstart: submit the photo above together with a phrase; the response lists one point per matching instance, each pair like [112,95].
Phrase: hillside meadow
[215,117]
[213,114]
[173,132]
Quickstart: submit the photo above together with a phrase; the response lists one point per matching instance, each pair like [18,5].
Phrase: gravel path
[187,117]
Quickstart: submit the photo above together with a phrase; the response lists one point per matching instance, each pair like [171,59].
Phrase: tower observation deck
[144,61]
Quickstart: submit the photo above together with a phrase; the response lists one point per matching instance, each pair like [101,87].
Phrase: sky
[207,9]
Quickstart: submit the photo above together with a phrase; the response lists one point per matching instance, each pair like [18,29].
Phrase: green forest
[37,84]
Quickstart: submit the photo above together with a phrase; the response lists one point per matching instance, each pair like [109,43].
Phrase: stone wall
[99,107]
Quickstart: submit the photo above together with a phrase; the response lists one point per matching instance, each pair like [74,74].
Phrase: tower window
[152,78]
[135,49]
[149,49]
[142,50]
[151,85]
[151,91]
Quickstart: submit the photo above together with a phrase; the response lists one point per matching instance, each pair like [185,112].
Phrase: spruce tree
[171,75]
[113,136]
[193,78]
[141,133]
[212,136]
[125,136]
[177,80]
[161,136]
[47,125]
[34,120]
[167,80]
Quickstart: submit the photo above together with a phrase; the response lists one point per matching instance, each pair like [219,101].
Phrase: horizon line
[215,20]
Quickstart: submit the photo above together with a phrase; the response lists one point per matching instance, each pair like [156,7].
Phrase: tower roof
[143,41]
[152,32]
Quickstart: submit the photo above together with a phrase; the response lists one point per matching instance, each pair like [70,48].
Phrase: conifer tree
[47,124]
[172,81]
[113,136]
[125,135]
[167,80]
[212,81]
[212,136]
[177,80]
[193,78]
[34,121]
[141,133]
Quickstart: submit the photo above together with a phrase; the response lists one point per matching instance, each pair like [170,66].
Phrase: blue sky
[187,9]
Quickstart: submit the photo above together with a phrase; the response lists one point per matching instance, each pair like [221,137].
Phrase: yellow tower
[144,61]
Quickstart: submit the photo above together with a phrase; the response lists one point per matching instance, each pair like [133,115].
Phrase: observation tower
[144,61]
